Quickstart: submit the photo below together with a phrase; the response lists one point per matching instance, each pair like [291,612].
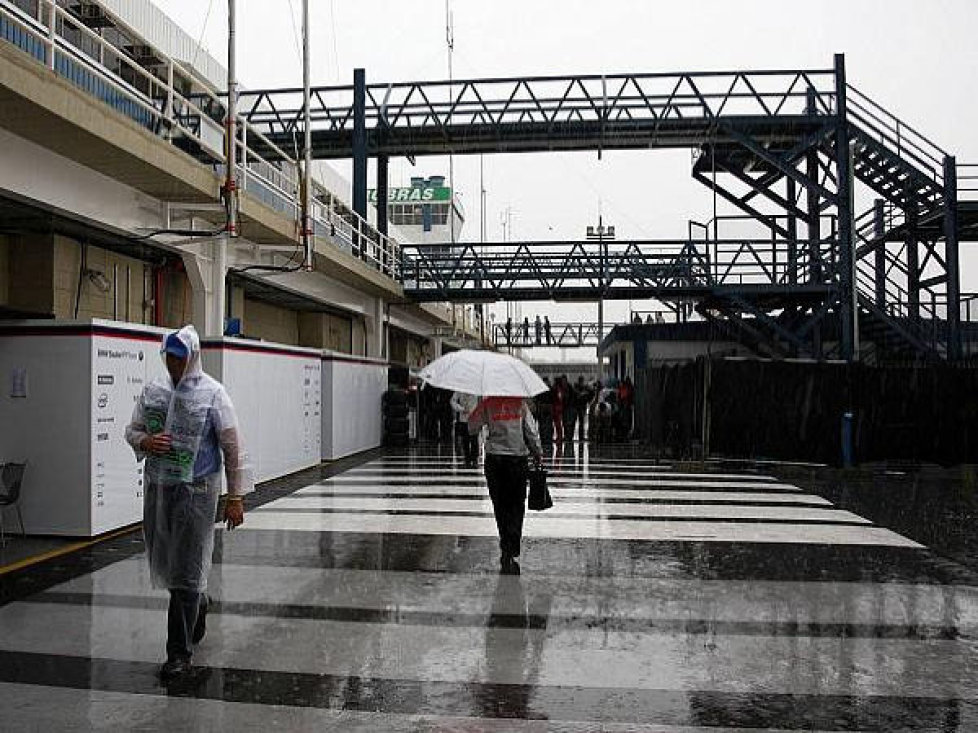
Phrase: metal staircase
[902,310]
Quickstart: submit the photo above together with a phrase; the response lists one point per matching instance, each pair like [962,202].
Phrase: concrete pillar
[376,331]
[199,273]
[434,347]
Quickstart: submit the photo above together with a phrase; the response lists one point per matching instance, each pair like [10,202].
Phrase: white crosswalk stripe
[436,496]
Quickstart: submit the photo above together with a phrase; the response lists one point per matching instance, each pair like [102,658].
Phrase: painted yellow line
[35,559]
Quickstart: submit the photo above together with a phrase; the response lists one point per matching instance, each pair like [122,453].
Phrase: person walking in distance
[570,410]
[544,413]
[626,402]
[582,397]
[185,428]
[463,404]
[557,411]
[513,436]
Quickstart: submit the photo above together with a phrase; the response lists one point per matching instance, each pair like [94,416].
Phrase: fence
[788,410]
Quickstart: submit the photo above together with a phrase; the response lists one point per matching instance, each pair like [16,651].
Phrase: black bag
[539,493]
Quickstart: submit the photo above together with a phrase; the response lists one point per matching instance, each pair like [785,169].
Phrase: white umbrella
[483,373]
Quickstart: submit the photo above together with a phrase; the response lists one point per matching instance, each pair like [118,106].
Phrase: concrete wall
[178,299]
[31,286]
[326,331]
[125,276]
[270,322]
[676,351]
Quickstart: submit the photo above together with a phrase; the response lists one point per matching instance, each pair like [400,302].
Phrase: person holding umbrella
[513,433]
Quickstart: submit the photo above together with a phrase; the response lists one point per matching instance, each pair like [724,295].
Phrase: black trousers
[470,443]
[507,477]
[185,605]
[570,419]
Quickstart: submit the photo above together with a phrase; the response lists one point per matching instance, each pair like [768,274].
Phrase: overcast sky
[918,58]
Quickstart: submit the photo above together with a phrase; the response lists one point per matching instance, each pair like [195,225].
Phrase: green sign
[413,195]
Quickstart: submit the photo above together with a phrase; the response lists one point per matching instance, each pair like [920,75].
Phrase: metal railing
[731,244]
[967,181]
[608,99]
[192,121]
[525,334]
[897,135]
[670,268]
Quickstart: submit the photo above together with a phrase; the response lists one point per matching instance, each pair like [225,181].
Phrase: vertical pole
[307,240]
[792,235]
[360,152]
[879,270]
[168,110]
[382,191]
[52,32]
[814,220]
[223,243]
[843,163]
[243,169]
[913,254]
[951,258]
[601,288]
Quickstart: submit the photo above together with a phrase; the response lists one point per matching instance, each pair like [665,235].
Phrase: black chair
[11,477]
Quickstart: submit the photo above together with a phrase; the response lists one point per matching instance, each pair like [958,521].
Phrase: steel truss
[525,335]
[787,149]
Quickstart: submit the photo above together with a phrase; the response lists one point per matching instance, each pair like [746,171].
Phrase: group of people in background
[567,412]
[582,411]
[542,332]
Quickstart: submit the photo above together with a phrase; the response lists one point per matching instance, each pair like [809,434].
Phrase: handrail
[967,180]
[938,153]
[904,138]
[171,112]
[704,95]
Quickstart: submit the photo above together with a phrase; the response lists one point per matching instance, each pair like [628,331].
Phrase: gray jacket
[512,428]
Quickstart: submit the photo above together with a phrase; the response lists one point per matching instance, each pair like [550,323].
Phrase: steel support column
[360,142]
[879,269]
[814,221]
[382,190]
[792,234]
[951,258]
[913,255]
[843,166]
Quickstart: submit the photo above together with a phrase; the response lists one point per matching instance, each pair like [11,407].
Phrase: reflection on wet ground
[367,596]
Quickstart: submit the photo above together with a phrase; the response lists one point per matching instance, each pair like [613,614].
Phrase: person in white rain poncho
[184,425]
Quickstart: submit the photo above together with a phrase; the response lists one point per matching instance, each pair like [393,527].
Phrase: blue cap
[173,345]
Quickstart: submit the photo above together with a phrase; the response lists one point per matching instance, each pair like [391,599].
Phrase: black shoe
[174,669]
[508,565]
[200,628]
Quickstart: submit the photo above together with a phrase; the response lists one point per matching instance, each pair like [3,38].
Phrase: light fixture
[99,280]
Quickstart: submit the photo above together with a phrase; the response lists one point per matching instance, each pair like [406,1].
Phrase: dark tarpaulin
[793,410]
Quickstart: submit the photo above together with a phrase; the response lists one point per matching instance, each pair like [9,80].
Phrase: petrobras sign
[415,194]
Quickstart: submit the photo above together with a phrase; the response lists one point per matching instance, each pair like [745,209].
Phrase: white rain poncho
[178,507]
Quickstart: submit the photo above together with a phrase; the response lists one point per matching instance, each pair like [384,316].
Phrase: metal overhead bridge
[793,151]
[668,270]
